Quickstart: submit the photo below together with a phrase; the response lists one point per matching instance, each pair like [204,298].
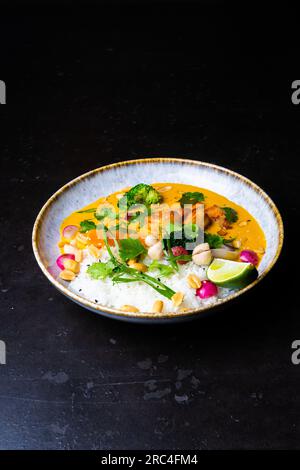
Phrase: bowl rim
[113,312]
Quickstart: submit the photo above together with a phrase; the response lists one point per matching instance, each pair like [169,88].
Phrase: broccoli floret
[153,197]
[140,194]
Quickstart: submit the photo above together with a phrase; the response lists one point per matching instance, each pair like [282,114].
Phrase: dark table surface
[91,87]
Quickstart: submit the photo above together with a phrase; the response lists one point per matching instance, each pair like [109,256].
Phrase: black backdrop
[102,82]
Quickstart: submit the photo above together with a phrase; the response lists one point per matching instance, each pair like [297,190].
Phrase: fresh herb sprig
[191,198]
[169,255]
[231,214]
[120,272]
[86,225]
[216,241]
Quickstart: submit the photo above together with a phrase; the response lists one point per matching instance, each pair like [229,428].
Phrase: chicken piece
[217,214]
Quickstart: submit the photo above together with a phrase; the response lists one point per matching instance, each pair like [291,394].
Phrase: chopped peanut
[157,306]
[70,250]
[78,255]
[81,240]
[242,224]
[71,265]
[67,275]
[129,308]
[94,251]
[193,281]
[138,266]
[177,298]
[236,243]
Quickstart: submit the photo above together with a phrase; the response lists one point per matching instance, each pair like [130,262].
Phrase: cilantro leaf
[104,212]
[100,270]
[130,248]
[230,214]
[87,225]
[191,198]
[214,240]
[164,269]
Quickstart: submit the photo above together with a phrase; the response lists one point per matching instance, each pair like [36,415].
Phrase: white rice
[139,294]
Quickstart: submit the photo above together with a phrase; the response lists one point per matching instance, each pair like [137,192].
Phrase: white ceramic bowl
[110,178]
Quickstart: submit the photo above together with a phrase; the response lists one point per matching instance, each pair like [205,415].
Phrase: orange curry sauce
[246,229]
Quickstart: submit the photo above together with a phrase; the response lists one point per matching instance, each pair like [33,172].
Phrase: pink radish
[207,289]
[178,251]
[249,256]
[61,258]
[70,231]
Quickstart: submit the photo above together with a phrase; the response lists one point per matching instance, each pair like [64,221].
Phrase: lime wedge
[231,274]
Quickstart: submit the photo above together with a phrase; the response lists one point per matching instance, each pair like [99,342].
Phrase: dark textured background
[89,86]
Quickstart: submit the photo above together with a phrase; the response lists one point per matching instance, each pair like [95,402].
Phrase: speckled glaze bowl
[110,178]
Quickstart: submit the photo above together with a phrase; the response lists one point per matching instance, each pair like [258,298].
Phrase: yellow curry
[245,232]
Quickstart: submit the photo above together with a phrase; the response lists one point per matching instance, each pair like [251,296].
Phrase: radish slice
[207,289]
[61,258]
[249,256]
[70,231]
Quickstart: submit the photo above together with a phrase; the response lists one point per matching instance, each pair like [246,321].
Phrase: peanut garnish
[242,224]
[78,255]
[236,243]
[71,265]
[129,308]
[81,240]
[177,298]
[70,250]
[157,306]
[193,281]
[94,251]
[67,275]
[138,266]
